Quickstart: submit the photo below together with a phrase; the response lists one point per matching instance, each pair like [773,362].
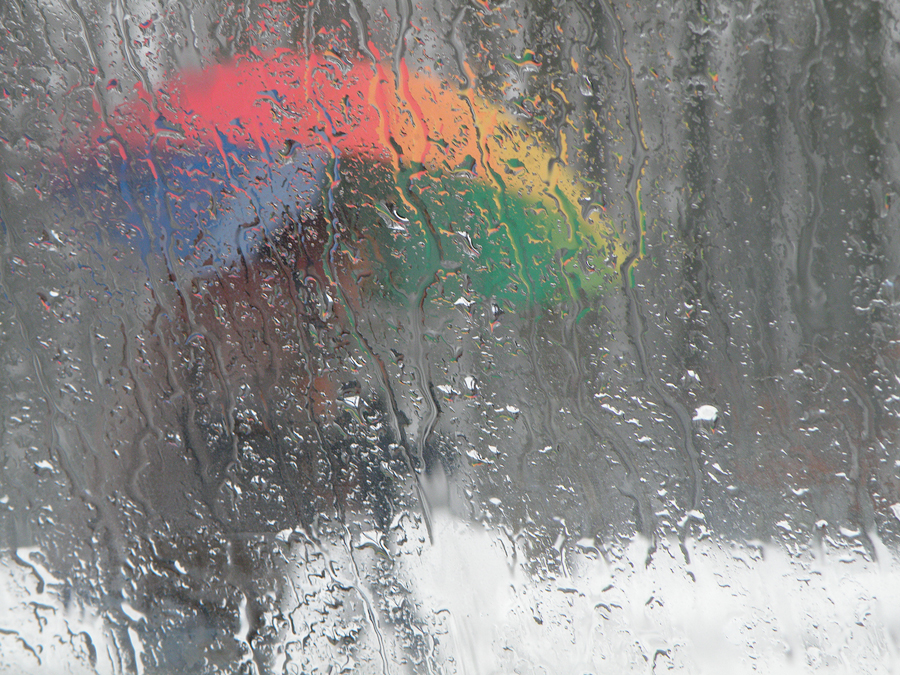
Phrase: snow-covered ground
[733,608]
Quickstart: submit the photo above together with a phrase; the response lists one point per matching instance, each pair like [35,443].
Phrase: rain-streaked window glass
[449,337]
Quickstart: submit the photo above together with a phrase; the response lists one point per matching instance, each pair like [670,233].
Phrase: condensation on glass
[448,337]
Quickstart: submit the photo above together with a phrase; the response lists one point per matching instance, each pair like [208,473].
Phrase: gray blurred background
[269,494]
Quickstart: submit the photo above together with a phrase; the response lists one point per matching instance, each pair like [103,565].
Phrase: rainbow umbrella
[403,177]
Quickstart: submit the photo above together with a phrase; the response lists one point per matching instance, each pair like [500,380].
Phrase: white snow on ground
[732,608]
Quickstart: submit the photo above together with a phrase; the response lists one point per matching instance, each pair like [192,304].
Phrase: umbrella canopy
[398,176]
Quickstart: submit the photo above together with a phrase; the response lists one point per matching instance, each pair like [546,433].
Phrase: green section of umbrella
[517,249]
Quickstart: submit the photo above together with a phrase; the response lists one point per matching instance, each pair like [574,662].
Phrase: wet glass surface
[449,337]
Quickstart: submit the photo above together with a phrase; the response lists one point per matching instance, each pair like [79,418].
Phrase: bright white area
[730,609]
[706,413]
